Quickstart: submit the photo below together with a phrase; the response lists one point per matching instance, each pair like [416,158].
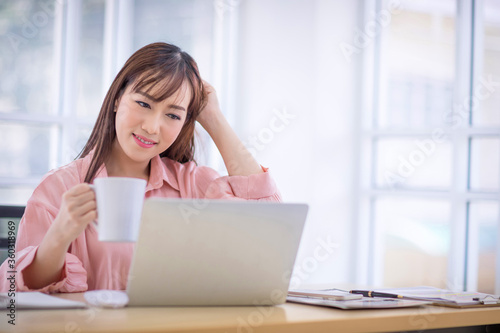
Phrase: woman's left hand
[211,112]
[238,160]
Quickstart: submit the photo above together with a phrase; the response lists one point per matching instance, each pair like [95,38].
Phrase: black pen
[369,293]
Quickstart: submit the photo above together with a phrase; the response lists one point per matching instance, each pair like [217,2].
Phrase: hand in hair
[237,158]
[211,112]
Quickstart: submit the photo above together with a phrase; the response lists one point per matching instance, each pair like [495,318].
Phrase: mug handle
[92,187]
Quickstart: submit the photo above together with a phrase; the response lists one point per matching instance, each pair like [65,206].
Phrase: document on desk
[37,300]
[445,297]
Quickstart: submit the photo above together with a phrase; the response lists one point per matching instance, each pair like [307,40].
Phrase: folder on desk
[363,303]
[337,298]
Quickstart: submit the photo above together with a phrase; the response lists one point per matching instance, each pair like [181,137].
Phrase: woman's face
[146,127]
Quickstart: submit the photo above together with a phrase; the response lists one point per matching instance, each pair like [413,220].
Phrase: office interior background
[383,116]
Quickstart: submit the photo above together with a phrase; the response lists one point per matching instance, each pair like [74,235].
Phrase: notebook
[214,252]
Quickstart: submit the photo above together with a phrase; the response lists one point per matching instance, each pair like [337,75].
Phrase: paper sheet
[37,300]
[440,296]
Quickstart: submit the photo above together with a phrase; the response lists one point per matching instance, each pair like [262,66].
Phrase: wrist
[54,240]
[213,121]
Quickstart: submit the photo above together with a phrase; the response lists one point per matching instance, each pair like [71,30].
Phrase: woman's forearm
[47,265]
[78,209]
[238,160]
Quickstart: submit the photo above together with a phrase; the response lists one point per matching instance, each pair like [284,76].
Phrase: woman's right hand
[78,209]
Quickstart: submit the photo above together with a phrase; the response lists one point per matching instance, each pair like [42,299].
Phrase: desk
[287,317]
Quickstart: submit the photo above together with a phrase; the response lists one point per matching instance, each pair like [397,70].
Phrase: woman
[145,129]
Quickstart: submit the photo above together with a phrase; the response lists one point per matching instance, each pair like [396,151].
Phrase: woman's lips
[142,141]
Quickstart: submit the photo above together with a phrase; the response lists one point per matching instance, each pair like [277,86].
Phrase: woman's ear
[118,98]
[117,102]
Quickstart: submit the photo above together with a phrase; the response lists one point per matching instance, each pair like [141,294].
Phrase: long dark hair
[159,64]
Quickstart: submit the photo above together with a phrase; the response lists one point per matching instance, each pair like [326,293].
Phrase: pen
[369,293]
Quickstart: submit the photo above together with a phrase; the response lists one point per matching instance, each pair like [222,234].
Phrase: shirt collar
[161,171]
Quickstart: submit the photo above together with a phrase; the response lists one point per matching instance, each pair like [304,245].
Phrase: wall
[291,64]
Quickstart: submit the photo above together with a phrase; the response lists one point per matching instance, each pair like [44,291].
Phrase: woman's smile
[143,142]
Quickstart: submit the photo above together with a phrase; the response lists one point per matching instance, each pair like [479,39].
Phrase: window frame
[67,18]
[368,250]
[118,40]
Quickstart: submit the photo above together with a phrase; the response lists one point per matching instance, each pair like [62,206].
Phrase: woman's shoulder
[60,179]
[188,169]
[71,172]
[190,179]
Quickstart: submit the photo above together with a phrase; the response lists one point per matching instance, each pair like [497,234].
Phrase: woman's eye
[173,116]
[143,104]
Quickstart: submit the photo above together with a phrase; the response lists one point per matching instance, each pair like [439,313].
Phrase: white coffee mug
[119,208]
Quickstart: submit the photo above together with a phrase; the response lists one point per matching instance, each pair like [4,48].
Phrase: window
[50,60]
[432,143]
[59,59]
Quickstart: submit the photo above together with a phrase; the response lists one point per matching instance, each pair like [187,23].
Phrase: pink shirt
[91,264]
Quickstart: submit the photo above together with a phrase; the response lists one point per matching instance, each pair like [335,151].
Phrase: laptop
[214,252]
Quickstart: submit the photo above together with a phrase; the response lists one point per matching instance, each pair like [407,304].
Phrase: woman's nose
[151,124]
